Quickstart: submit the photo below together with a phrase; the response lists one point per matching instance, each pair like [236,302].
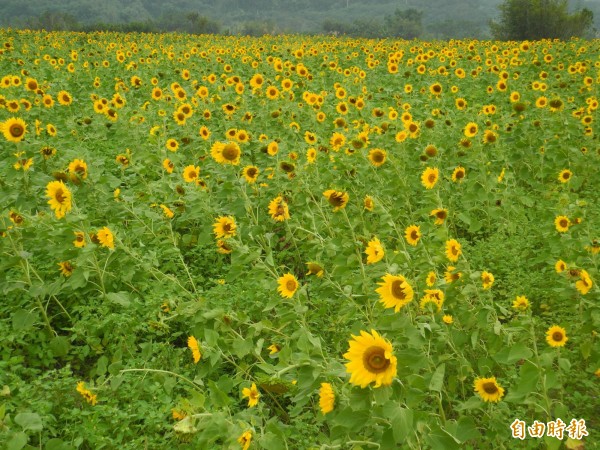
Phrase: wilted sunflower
[195,348]
[228,153]
[440,215]
[337,199]
[326,398]
[521,303]
[556,336]
[374,251]
[377,157]
[14,129]
[288,285]
[394,292]
[250,173]
[487,279]
[562,224]
[371,360]
[412,234]
[224,227]
[190,173]
[278,208]
[429,177]
[453,250]
[252,395]
[60,198]
[488,389]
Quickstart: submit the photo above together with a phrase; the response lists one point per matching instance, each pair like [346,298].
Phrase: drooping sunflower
[556,336]
[488,389]
[371,360]
[377,157]
[250,173]
[228,153]
[487,279]
[374,251]
[562,224]
[288,285]
[326,398]
[521,303]
[278,209]
[394,291]
[223,247]
[429,177]
[440,215]
[60,198]
[434,297]
[245,439]
[315,269]
[224,227]
[190,173]
[252,395]
[453,250]
[337,199]
[459,174]
[412,235]
[105,238]
[14,129]
[193,345]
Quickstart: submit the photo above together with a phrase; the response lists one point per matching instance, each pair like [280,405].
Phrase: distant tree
[404,24]
[540,19]
[54,21]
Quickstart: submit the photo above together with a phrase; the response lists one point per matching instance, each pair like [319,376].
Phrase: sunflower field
[298,242]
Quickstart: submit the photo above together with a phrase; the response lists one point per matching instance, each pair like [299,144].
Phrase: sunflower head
[488,389]
[429,177]
[337,199]
[288,285]
[371,360]
[13,129]
[395,292]
[224,227]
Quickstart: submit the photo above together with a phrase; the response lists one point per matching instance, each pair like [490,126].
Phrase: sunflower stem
[167,372]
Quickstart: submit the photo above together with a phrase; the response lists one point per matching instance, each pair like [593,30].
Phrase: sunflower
[394,292]
[105,238]
[223,247]
[195,348]
[377,157]
[278,208]
[14,129]
[252,394]
[368,203]
[433,296]
[288,285]
[429,177]
[224,227]
[440,215]
[66,268]
[326,398]
[64,98]
[245,439]
[560,266]
[448,319]
[562,224]
[78,168]
[521,303]
[337,199]
[169,214]
[453,250]
[430,280]
[311,155]
[371,360]
[487,279]
[488,389]
[272,148]
[337,141]
[315,269]
[459,174]
[584,284]
[556,336]
[250,173]
[412,234]
[172,145]
[190,173]
[79,241]
[60,198]
[374,251]
[471,129]
[565,175]
[228,153]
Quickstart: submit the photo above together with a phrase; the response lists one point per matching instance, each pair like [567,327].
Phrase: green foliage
[540,19]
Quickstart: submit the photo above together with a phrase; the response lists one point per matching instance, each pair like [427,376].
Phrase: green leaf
[512,354]
[57,444]
[60,346]
[30,422]
[23,320]
[437,380]
[120,298]
[402,424]
[350,419]
[17,441]
[440,439]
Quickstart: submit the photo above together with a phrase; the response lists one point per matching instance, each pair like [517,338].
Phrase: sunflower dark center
[290,285]
[336,199]
[414,235]
[227,227]
[397,290]
[460,174]
[230,152]
[441,215]
[374,360]
[59,195]
[431,178]
[490,388]
[378,157]
[566,175]
[17,130]
[557,336]
[192,174]
[454,251]
[251,172]
[564,223]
